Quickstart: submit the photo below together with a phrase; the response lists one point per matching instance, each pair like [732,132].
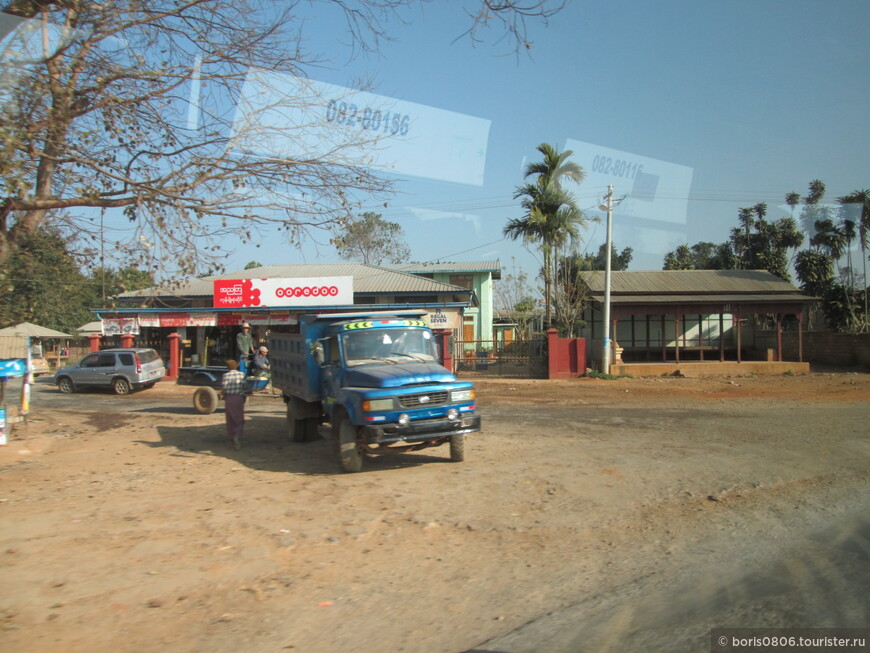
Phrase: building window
[463,280]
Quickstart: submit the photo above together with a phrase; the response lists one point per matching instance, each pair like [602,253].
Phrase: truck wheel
[349,454]
[457,448]
[205,400]
[312,429]
[301,429]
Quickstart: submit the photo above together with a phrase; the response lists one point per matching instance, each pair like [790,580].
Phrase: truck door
[331,369]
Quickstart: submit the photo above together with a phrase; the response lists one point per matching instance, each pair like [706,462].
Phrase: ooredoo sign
[307,291]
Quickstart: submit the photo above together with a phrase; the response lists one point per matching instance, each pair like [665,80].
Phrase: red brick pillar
[127,340]
[94,340]
[174,340]
[553,365]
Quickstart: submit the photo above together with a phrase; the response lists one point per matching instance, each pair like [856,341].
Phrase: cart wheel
[205,400]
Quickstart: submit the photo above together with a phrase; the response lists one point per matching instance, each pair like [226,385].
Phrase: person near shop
[233,387]
[245,343]
[261,362]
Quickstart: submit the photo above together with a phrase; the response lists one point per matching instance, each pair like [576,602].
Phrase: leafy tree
[552,219]
[756,244]
[857,205]
[110,282]
[816,268]
[679,259]
[131,105]
[371,239]
[253,264]
[592,262]
[45,286]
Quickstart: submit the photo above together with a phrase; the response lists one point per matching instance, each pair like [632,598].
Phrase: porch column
[94,341]
[677,337]
[779,337]
[721,338]
[739,339]
[800,317]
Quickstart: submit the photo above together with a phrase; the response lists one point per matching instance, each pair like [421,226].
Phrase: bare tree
[516,301]
[371,239]
[152,107]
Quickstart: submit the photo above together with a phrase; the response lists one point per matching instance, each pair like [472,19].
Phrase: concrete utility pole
[605,350]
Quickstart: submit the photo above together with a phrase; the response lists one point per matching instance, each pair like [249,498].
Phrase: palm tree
[861,198]
[552,218]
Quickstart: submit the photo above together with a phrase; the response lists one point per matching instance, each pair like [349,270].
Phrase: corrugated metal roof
[493,267]
[784,298]
[367,279]
[13,347]
[33,330]
[689,282]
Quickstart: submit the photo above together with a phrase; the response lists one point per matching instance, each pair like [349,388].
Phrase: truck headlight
[375,405]
[457,396]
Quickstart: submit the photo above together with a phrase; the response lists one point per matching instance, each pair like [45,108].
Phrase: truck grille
[423,399]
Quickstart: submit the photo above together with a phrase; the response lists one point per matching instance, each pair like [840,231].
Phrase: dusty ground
[135,528]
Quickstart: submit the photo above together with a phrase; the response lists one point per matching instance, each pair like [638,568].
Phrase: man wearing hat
[261,362]
[245,343]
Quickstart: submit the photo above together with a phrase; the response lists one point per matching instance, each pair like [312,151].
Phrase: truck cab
[376,379]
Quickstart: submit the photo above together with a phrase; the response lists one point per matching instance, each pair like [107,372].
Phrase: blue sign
[13,367]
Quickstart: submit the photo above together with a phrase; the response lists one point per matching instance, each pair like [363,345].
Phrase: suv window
[126,359]
[148,356]
[99,360]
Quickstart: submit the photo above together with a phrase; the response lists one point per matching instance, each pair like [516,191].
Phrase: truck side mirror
[317,351]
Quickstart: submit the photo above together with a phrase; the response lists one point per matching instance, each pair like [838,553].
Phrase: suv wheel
[65,385]
[121,386]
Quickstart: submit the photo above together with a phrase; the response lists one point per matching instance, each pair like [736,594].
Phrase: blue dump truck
[375,378]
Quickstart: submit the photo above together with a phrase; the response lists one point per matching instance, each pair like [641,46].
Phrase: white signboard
[304,291]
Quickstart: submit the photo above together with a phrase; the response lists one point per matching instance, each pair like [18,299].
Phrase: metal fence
[525,359]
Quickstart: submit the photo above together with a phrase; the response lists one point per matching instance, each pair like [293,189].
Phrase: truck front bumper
[420,430]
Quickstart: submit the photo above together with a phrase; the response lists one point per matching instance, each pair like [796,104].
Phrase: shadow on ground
[265,447]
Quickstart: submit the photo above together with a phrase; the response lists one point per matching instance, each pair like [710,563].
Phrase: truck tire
[312,429]
[301,429]
[349,455]
[205,400]
[457,448]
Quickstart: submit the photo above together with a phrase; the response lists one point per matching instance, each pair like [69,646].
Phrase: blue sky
[724,104]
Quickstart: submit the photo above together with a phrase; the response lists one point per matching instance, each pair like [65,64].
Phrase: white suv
[123,370]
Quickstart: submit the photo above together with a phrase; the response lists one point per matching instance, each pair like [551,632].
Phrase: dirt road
[581,511]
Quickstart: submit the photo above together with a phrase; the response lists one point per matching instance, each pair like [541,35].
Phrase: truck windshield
[387,345]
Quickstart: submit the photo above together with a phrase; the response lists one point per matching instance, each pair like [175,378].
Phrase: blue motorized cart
[208,378]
